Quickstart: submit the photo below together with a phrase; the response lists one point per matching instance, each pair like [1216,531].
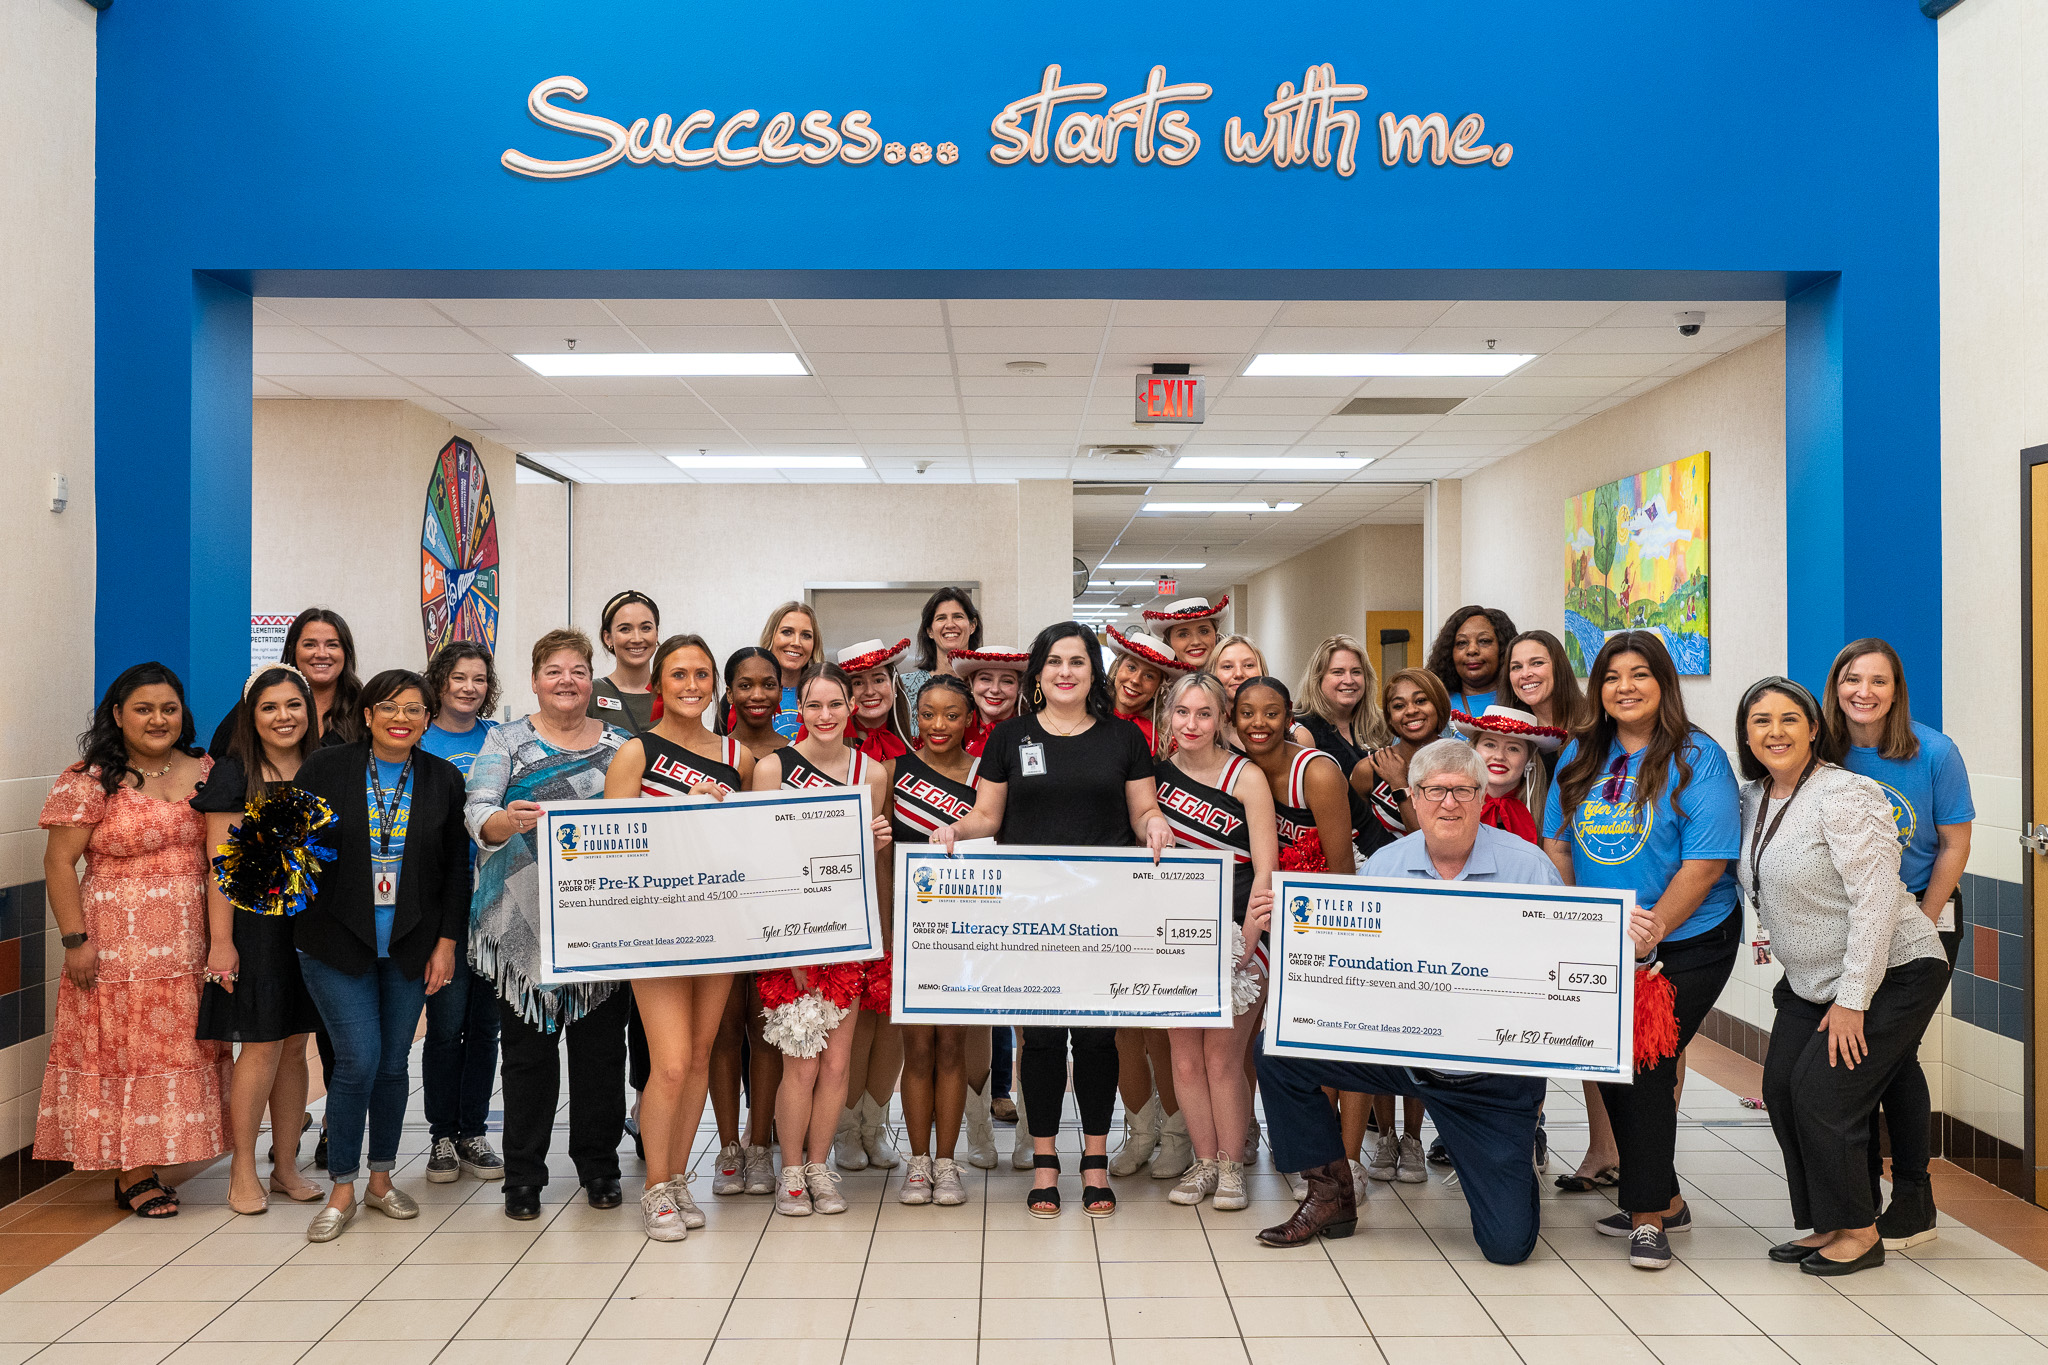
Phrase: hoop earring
[1037,696]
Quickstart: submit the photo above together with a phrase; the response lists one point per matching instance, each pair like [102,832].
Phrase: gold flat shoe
[396,1204]
[330,1221]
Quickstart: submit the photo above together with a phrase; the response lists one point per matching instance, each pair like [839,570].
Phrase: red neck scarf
[1508,813]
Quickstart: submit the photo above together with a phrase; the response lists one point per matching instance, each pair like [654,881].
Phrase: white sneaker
[1382,1155]
[1198,1181]
[759,1170]
[847,1152]
[824,1183]
[679,1188]
[792,1194]
[981,1131]
[1360,1186]
[1298,1187]
[1021,1149]
[917,1180]
[660,1219]
[1176,1152]
[1141,1138]
[1409,1168]
[1230,1195]
[946,1186]
[1251,1143]
[730,1175]
[874,1135]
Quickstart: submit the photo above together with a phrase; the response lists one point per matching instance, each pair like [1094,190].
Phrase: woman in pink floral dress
[129,1087]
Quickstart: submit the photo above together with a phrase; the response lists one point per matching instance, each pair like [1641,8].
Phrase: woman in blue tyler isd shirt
[1872,729]
[1646,802]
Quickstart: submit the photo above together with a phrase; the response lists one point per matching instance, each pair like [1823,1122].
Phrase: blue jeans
[459,1064]
[371,1019]
[1488,1123]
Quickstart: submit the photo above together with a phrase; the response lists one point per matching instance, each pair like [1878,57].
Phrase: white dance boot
[1021,1152]
[1176,1152]
[981,1133]
[1141,1138]
[874,1134]
[847,1152]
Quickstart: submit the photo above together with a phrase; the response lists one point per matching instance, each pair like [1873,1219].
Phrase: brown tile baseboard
[1740,1037]
[1983,1156]
[21,1174]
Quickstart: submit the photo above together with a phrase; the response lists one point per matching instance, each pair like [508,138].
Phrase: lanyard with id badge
[1760,839]
[1031,759]
[383,821]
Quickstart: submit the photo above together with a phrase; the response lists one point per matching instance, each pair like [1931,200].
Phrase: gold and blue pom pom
[271,862]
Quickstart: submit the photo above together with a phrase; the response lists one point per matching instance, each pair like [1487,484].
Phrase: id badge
[384,882]
[1031,759]
[1945,922]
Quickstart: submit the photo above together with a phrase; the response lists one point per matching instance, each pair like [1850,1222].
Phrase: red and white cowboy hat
[1147,649]
[968,662]
[1511,721]
[1184,609]
[871,654]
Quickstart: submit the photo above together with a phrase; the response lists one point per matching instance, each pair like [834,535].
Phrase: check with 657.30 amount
[1453,976]
[1021,934]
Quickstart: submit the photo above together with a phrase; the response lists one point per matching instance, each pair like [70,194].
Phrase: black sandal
[1605,1178]
[162,1204]
[1044,1203]
[1097,1201]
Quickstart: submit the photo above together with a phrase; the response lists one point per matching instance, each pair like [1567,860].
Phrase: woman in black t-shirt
[1065,770]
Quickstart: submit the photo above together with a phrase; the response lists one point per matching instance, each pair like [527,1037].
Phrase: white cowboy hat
[1512,722]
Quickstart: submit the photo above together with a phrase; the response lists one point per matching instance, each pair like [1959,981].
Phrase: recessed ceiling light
[597,365]
[1484,364]
[701,461]
[1152,564]
[1221,506]
[1024,366]
[1271,462]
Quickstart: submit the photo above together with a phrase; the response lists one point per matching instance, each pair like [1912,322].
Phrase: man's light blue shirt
[1497,856]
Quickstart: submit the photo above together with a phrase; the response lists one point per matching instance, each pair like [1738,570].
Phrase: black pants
[1042,1069]
[1645,1115]
[1821,1113]
[639,1062]
[533,1090]
[1909,1110]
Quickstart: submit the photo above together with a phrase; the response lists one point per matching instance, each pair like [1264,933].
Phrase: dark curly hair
[454,652]
[1032,697]
[928,648]
[1440,661]
[102,747]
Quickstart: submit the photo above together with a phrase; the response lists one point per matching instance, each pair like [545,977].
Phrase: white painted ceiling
[923,382]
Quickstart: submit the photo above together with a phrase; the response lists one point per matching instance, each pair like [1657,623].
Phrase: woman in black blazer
[384,930]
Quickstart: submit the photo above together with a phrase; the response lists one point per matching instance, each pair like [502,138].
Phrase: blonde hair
[1369,721]
[1535,788]
[775,621]
[1209,664]
[1207,682]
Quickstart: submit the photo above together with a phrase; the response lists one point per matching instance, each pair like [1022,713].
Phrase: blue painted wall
[268,144]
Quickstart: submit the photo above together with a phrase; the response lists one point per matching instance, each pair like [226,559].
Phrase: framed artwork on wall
[1636,559]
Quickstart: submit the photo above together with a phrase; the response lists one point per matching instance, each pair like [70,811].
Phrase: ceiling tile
[1338,340]
[1615,366]
[459,363]
[264,388]
[357,312]
[1523,403]
[889,386]
[853,404]
[1195,312]
[860,312]
[746,340]
[692,312]
[524,312]
[1507,340]
[353,386]
[826,364]
[1361,313]
[1520,313]
[1025,343]
[854,340]
[545,340]
[1646,340]
[405,340]
[336,362]
[1092,313]
[288,338]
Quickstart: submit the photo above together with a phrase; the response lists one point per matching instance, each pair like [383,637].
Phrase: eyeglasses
[1439,795]
[391,710]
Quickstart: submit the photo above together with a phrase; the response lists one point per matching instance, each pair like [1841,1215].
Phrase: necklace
[160,772]
[1046,720]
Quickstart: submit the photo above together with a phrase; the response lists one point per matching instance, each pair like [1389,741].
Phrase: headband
[1779,683]
[618,600]
[268,668]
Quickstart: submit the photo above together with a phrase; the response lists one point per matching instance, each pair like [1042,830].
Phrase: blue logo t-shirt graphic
[1613,832]
[1903,814]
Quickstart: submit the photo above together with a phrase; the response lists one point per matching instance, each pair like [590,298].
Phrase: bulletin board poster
[266,637]
[1636,552]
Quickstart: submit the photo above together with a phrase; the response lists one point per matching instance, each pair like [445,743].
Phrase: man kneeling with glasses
[1487,1122]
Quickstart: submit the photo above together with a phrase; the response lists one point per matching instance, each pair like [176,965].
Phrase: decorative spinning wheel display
[459,552]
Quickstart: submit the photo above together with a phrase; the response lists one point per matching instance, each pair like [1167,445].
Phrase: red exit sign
[1171,398]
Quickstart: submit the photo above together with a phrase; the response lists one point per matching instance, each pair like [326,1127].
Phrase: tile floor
[986,1284]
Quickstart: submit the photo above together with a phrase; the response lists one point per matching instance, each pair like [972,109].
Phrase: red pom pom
[1656,1019]
[1305,854]
[874,995]
[776,988]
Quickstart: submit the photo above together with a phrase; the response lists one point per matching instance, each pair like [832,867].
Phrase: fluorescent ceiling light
[1149,564]
[1221,506]
[1101,583]
[1484,364]
[767,462]
[1135,582]
[597,364]
[1271,462]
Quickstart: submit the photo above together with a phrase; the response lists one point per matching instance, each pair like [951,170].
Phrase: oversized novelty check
[1022,934]
[692,886]
[1455,976]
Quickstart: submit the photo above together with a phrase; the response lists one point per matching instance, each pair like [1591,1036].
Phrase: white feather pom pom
[1245,982]
[800,1028]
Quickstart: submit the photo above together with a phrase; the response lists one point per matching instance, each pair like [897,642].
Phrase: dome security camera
[1689,323]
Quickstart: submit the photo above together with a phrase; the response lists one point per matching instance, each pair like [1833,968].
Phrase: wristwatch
[74,940]
[1399,794]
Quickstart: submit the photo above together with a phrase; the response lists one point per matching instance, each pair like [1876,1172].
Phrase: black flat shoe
[1044,1203]
[522,1202]
[1790,1253]
[604,1192]
[1817,1264]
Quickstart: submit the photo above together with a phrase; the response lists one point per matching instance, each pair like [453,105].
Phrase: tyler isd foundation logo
[1298,907]
[565,840]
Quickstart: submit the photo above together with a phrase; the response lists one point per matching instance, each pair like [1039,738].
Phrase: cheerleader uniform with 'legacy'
[926,799]
[849,985]
[672,770]
[1210,817]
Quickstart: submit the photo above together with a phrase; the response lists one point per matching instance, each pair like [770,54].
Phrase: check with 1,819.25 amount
[1453,976]
[694,886]
[1015,933]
